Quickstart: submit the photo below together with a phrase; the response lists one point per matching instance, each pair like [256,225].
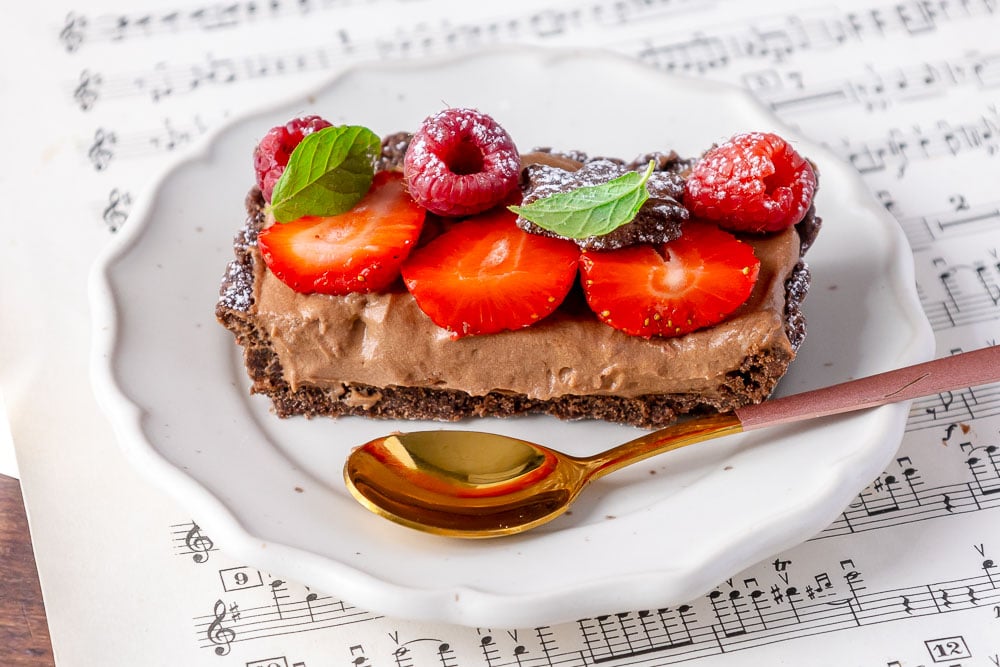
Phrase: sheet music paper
[905,92]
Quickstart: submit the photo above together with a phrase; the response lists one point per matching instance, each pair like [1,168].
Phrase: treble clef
[72,33]
[198,543]
[221,636]
[100,152]
[115,214]
[85,92]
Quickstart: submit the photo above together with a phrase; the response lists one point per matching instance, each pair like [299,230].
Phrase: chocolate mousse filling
[378,355]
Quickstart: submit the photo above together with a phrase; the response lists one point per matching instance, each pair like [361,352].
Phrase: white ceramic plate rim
[472,604]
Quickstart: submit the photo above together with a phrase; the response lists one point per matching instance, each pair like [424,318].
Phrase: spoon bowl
[473,484]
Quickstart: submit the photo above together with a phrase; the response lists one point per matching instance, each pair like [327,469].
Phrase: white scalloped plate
[269,491]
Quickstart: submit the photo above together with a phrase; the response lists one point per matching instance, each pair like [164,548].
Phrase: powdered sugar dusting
[753,182]
[658,221]
[436,163]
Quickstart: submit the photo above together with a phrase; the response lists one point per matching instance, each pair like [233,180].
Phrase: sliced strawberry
[357,251]
[485,275]
[689,283]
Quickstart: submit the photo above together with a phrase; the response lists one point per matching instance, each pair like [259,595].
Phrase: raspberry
[461,162]
[753,182]
[273,151]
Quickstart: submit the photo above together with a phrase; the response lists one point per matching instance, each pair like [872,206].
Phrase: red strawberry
[485,275]
[357,251]
[689,283]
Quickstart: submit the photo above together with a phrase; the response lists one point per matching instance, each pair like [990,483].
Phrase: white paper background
[906,91]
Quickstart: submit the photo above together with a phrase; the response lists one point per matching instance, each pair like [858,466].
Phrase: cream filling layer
[386,340]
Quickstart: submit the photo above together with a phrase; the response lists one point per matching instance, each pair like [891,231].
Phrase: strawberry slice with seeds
[691,282]
[485,275]
[357,251]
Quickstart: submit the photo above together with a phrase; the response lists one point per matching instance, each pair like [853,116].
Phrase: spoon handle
[966,369]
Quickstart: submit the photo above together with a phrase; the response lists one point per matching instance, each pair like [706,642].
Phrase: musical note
[219,635]
[967,405]
[790,599]
[310,598]
[171,138]
[550,22]
[732,610]
[160,84]
[988,567]
[971,295]
[985,469]
[278,591]
[916,18]
[446,655]
[360,659]
[823,583]
[546,642]
[489,650]
[880,498]
[855,582]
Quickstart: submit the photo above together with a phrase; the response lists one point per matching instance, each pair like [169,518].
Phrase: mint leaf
[327,173]
[593,210]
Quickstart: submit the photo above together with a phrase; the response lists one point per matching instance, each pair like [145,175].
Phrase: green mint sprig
[592,210]
[327,173]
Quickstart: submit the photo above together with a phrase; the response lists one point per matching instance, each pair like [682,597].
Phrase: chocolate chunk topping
[658,221]
[668,162]
[393,150]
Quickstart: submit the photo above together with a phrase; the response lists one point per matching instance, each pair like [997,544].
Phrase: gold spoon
[471,484]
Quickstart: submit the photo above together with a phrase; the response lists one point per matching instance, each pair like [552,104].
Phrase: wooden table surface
[24,632]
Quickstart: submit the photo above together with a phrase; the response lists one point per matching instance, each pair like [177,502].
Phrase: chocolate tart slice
[379,356]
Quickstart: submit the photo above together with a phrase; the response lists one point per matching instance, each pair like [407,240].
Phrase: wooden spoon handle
[958,371]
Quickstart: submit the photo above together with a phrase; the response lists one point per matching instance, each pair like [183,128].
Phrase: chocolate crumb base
[236,291]
[751,383]
[796,288]
[807,229]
